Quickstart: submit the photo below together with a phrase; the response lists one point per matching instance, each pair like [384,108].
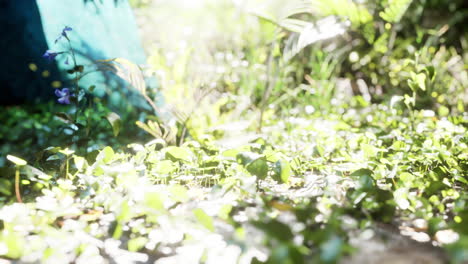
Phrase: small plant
[18,164]
[82,99]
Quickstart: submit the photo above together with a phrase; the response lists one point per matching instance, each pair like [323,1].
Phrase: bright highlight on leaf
[204,219]
[17,161]
[115,121]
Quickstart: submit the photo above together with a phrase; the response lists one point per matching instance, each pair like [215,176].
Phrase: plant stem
[152,104]
[182,135]
[77,75]
[17,187]
[66,172]
[268,87]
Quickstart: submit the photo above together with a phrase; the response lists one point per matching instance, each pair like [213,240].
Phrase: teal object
[103,29]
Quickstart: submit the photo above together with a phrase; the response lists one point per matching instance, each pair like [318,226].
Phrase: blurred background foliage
[220,61]
[309,52]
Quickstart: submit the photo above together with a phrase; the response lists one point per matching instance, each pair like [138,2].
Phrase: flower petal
[64,100]
[50,55]
[58,93]
[66,92]
[64,31]
[46,54]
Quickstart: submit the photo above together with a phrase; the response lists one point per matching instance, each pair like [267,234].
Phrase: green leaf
[276,229]
[136,244]
[400,196]
[179,193]
[233,153]
[106,154]
[369,150]
[281,171]
[66,151]
[365,180]
[395,10]
[395,99]
[318,149]
[407,178]
[125,212]
[431,72]
[247,157]
[204,219]
[17,161]
[178,154]
[37,175]
[79,162]
[115,121]
[258,167]
[14,242]
[224,211]
[153,200]
[65,118]
[409,100]
[417,81]
[54,157]
[165,167]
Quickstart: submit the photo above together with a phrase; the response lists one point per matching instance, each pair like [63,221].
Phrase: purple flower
[64,95]
[50,55]
[64,33]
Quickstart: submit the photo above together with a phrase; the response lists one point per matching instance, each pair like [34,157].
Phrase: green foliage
[383,176]
[269,158]
[395,10]
[380,48]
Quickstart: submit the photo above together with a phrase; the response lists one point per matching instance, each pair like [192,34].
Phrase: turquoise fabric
[102,29]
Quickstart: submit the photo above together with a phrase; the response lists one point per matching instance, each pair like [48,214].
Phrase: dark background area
[22,44]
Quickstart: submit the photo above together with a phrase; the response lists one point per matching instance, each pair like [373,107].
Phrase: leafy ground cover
[277,143]
[294,197]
